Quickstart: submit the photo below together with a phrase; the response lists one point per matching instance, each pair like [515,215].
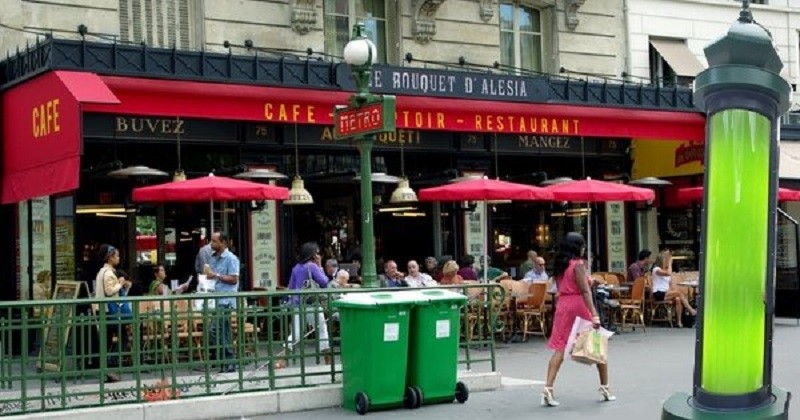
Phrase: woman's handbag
[591,348]
[310,284]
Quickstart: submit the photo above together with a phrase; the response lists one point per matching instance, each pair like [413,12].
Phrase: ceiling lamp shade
[136,171]
[298,194]
[179,176]
[403,193]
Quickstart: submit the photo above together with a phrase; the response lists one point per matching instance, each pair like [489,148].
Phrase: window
[341,15]
[521,37]
[661,74]
[161,23]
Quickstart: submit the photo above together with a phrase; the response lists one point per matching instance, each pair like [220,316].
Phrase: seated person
[539,275]
[391,277]
[415,278]
[663,288]
[450,273]
[467,270]
[493,274]
[159,288]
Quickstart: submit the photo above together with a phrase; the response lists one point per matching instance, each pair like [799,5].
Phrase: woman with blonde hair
[450,273]
[663,288]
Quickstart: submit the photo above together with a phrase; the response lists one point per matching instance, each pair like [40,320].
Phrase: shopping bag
[591,348]
[578,326]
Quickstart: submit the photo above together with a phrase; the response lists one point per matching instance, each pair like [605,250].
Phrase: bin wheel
[420,398]
[362,403]
[462,392]
[410,398]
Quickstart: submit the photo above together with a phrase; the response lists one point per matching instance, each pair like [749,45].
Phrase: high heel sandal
[605,392]
[548,400]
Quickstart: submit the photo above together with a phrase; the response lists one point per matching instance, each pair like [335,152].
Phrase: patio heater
[743,95]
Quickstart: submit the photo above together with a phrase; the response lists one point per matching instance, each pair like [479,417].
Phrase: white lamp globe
[360,52]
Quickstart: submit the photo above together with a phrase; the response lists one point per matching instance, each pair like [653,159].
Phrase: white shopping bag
[580,325]
[202,304]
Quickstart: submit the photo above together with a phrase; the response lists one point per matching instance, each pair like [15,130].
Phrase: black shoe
[111,378]
[228,369]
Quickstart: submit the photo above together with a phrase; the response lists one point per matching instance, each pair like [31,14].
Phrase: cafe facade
[73,111]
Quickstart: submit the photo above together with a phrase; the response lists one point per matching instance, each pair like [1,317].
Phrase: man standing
[224,268]
[528,264]
[639,268]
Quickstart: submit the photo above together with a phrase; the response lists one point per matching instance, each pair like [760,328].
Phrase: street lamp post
[365,115]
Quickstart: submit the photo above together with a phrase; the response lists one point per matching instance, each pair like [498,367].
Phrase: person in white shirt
[662,285]
[538,274]
[417,279]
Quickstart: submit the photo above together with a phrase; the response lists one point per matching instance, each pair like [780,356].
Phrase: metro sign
[372,117]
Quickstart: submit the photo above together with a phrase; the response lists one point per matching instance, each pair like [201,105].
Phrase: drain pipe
[627,35]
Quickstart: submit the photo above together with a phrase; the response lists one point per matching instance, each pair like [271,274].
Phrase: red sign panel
[359,121]
[42,133]
[308,106]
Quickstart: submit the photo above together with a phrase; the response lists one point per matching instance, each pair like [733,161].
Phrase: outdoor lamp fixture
[650,181]
[261,174]
[743,96]
[559,180]
[364,116]
[403,193]
[179,175]
[136,172]
[298,194]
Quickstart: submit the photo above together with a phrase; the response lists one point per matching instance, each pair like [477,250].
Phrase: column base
[680,407]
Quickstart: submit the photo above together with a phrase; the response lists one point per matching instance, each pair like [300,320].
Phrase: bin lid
[361,300]
[439,296]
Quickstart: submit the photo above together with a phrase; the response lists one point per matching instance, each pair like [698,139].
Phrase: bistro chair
[533,312]
[634,306]
[659,310]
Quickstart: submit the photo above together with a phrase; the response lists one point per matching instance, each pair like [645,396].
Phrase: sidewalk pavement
[645,369]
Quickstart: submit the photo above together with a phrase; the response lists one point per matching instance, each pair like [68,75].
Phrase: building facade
[525,91]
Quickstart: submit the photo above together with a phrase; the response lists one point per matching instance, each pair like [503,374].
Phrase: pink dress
[569,305]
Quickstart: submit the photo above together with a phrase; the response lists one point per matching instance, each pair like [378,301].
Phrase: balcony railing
[294,71]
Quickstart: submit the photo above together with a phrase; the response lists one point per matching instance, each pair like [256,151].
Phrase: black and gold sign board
[58,321]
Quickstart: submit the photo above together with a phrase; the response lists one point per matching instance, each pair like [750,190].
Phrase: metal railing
[64,354]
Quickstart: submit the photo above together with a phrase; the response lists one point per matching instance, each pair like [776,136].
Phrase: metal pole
[368,269]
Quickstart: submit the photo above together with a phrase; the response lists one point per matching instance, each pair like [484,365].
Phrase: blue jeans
[221,337]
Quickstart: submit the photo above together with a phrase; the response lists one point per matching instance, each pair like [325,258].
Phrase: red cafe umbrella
[590,190]
[209,188]
[696,194]
[483,189]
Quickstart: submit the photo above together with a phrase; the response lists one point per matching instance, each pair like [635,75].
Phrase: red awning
[170,98]
[42,133]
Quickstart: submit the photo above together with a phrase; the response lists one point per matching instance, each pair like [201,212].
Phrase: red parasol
[590,190]
[209,188]
[482,189]
[696,194]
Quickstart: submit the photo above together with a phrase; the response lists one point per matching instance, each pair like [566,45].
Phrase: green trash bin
[374,350]
[433,354]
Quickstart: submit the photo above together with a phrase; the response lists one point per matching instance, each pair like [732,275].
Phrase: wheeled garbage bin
[433,353]
[374,349]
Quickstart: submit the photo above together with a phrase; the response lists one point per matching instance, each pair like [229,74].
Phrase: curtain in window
[341,15]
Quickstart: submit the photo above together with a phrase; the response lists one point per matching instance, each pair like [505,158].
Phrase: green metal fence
[65,354]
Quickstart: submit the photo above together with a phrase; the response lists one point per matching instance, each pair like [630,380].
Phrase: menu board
[65,248]
[59,323]
[475,230]
[615,236]
[786,255]
[264,246]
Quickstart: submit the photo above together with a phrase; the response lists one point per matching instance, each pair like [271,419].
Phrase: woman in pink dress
[574,300]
